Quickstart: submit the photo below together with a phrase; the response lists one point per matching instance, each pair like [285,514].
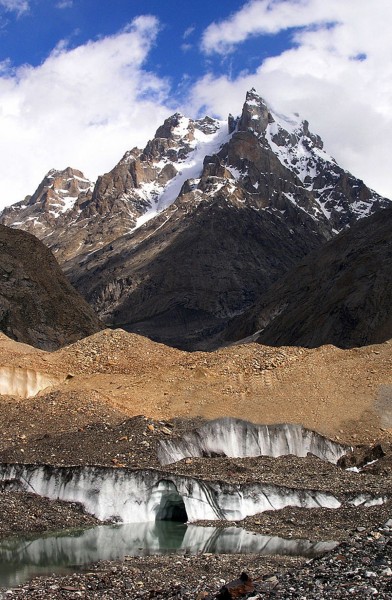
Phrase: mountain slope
[38,305]
[191,270]
[340,294]
[194,228]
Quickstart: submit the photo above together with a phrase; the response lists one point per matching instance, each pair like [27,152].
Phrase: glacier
[25,383]
[237,438]
[125,495]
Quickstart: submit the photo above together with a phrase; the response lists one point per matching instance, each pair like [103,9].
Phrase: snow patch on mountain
[298,151]
[204,144]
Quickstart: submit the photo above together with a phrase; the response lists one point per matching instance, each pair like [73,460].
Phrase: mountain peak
[245,199]
[253,96]
[173,127]
[263,160]
[60,189]
[255,114]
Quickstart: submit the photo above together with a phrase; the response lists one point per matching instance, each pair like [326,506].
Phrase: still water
[22,559]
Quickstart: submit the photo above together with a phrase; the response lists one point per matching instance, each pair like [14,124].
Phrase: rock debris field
[117,397]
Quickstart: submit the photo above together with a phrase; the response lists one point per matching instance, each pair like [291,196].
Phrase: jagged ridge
[192,230]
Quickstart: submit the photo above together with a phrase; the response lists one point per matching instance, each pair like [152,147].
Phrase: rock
[39,306]
[236,588]
[314,304]
[388,523]
[361,456]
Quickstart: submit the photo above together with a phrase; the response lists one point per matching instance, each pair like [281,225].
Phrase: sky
[83,81]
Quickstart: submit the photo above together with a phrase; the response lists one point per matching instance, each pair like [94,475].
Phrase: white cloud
[18,6]
[82,107]
[188,32]
[338,75]
[64,4]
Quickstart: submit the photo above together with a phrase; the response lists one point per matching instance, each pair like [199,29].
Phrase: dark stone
[237,588]
[360,457]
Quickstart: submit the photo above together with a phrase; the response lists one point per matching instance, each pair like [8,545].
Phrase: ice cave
[171,506]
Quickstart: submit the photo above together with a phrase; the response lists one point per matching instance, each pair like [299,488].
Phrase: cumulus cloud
[83,107]
[336,74]
[18,6]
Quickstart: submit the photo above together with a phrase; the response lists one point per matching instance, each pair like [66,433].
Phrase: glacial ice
[236,438]
[25,382]
[129,496]
[148,495]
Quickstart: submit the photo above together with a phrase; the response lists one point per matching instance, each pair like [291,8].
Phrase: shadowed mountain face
[180,283]
[340,294]
[38,305]
[192,230]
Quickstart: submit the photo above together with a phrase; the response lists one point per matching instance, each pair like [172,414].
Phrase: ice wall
[140,496]
[236,438]
[25,382]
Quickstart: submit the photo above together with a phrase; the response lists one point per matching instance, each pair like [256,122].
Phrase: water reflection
[21,559]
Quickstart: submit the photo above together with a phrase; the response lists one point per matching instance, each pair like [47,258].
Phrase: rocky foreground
[360,566]
[344,394]
[93,418]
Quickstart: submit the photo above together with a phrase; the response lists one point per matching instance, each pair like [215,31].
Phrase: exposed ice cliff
[25,382]
[236,438]
[149,495]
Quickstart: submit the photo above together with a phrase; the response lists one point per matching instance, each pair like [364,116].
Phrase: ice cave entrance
[171,505]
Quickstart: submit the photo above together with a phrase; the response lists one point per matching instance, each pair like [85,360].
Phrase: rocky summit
[194,229]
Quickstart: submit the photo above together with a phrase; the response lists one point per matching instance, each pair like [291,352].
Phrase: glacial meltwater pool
[23,558]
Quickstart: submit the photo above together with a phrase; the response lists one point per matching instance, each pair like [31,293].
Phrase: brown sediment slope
[346,394]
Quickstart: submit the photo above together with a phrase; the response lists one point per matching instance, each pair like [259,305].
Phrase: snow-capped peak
[182,128]
[262,160]
[208,137]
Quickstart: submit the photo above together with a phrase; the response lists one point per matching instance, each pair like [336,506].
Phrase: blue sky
[29,39]
[82,81]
